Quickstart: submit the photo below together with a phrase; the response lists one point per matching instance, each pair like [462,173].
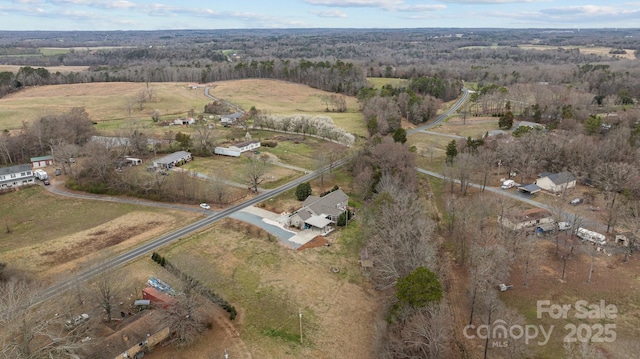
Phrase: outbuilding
[42,161]
[172,160]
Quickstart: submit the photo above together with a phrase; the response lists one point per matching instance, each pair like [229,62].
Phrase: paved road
[157,243]
[444,116]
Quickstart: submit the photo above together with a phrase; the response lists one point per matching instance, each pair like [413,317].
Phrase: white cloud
[492,2]
[330,13]
[420,8]
[389,5]
[357,3]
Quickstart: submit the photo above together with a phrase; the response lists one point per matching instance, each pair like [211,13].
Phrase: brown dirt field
[68,253]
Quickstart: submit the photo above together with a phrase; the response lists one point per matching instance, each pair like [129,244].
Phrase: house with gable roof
[556,182]
[14,176]
[320,212]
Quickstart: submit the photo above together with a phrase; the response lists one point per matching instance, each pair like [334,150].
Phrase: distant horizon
[350,28]
[159,15]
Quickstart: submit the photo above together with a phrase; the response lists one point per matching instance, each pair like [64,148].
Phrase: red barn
[158,298]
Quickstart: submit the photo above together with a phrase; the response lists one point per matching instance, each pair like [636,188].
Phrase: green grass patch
[34,216]
[378,82]
[53,51]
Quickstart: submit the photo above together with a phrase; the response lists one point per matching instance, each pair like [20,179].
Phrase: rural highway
[445,115]
[157,243]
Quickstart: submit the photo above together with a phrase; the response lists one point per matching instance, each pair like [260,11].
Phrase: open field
[52,69]
[271,284]
[108,103]
[285,98]
[50,234]
[597,50]
[103,101]
[378,82]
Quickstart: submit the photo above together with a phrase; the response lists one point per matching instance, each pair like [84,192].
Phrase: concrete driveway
[274,224]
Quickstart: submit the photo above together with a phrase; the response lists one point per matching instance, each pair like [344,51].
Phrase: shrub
[303,191]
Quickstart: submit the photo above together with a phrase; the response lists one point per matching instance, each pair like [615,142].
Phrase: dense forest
[331,59]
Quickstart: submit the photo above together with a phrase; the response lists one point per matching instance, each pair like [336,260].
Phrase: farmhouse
[230,120]
[319,212]
[184,121]
[556,182]
[172,160]
[526,219]
[15,176]
[42,161]
[138,334]
[238,148]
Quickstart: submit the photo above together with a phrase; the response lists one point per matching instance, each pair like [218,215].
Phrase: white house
[556,182]
[14,176]
[184,121]
[230,120]
[174,159]
[527,219]
[236,149]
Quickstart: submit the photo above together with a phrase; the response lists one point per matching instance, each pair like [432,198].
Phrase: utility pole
[300,316]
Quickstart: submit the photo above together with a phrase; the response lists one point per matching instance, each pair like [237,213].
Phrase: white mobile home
[591,236]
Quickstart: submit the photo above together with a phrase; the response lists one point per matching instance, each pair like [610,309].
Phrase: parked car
[564,226]
[576,201]
[46,182]
[204,206]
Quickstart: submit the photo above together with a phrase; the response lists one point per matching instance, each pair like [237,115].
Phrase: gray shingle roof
[14,169]
[561,178]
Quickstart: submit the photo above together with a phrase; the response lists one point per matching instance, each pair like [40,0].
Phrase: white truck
[508,184]
[40,174]
[591,236]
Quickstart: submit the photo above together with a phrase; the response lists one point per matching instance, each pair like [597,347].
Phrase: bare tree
[400,235]
[109,286]
[33,332]
[425,333]
[613,178]
[255,170]
[203,137]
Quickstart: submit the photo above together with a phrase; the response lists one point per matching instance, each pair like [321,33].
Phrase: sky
[267,14]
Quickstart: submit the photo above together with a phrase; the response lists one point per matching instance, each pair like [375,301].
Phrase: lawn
[44,233]
[272,285]
[378,82]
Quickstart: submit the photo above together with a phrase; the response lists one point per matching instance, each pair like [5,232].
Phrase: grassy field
[285,98]
[271,285]
[44,234]
[103,102]
[108,103]
[378,82]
